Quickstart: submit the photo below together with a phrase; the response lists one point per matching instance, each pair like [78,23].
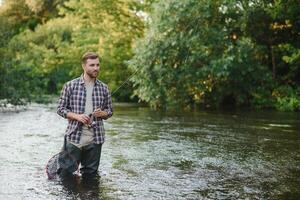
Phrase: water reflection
[82,188]
[152,155]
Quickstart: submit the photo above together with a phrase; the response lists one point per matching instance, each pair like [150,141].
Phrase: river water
[152,155]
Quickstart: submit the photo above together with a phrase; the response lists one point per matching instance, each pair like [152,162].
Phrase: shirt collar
[81,80]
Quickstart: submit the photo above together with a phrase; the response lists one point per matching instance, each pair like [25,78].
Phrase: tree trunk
[273,62]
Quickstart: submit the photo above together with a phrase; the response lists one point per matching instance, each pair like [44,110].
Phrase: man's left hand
[100,113]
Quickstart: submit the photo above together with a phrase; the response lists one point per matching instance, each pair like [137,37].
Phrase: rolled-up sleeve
[108,104]
[63,101]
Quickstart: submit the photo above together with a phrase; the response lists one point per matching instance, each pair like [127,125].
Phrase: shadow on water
[83,188]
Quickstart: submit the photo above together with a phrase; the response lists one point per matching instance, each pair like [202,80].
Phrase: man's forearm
[71,116]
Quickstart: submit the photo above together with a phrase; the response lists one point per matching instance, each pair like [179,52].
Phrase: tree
[16,17]
[50,51]
[196,53]
[278,32]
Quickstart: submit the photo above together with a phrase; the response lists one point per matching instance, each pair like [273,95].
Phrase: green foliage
[17,80]
[50,51]
[193,52]
[287,98]
[211,53]
[278,33]
[188,58]
[49,61]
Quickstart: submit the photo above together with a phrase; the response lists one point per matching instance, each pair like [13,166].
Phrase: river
[158,155]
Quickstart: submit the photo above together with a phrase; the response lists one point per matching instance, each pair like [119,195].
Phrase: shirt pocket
[99,100]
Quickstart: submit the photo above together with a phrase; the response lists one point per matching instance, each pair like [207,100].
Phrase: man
[86,102]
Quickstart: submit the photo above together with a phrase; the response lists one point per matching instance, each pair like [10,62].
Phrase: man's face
[92,67]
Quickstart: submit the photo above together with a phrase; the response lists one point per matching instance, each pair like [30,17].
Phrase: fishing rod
[125,81]
[114,92]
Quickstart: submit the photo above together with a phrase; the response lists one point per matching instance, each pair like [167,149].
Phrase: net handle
[65,142]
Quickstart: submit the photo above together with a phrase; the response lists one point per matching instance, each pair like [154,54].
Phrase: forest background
[189,54]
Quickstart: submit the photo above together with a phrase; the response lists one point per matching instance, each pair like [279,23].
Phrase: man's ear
[82,65]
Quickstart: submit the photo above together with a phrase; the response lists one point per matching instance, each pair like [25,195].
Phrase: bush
[287,98]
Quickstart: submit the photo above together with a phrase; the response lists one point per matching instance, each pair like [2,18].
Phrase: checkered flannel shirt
[72,99]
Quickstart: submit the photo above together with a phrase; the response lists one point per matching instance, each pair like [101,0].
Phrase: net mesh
[52,167]
[61,163]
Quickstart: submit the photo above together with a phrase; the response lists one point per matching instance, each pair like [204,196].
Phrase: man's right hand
[83,118]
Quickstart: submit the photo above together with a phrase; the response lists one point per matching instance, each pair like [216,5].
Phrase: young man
[85,102]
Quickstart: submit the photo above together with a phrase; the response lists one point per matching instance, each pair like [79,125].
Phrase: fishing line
[125,81]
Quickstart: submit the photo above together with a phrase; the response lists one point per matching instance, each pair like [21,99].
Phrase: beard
[93,74]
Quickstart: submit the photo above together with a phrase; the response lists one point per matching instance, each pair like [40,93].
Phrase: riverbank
[283,105]
[12,108]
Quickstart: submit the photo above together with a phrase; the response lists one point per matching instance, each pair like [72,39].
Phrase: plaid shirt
[72,99]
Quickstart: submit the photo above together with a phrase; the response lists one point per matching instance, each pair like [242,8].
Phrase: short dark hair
[89,55]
